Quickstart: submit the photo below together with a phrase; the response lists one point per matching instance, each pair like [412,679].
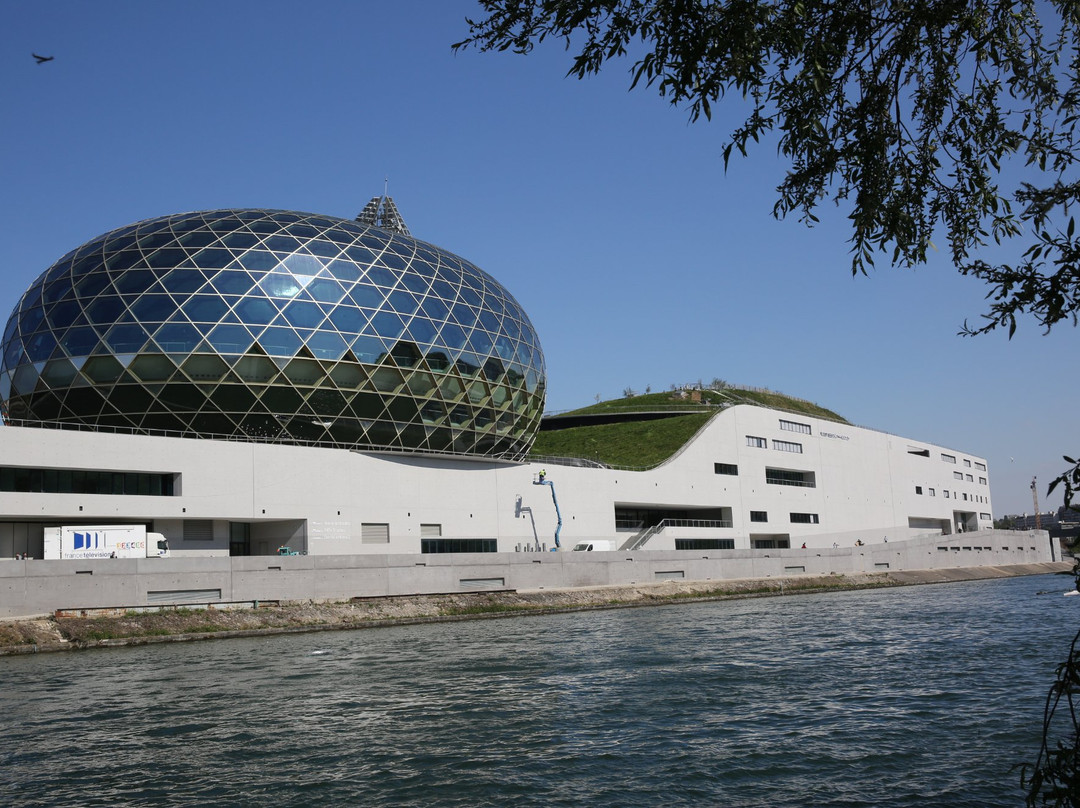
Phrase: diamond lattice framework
[276,325]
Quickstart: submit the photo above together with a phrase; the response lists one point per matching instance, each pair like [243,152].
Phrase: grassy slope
[645,444]
[636,445]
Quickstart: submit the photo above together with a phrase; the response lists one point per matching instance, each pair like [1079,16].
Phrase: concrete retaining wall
[40,587]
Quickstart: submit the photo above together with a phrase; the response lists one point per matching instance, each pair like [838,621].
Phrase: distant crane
[542,480]
[1035,499]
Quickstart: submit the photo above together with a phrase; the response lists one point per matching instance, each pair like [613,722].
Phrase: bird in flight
[42,59]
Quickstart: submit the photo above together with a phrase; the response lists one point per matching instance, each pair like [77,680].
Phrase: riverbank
[120,627]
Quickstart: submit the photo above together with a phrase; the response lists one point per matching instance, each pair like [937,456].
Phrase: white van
[595,544]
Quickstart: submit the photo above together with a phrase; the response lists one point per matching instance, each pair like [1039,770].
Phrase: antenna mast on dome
[382,212]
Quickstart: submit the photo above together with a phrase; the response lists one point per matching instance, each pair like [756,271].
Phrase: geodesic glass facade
[276,325]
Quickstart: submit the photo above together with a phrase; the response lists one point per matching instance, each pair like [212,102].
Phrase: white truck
[104,541]
[595,544]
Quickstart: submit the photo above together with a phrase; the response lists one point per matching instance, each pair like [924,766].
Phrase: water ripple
[901,698]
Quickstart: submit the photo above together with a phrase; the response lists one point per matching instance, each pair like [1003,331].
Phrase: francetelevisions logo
[87,541]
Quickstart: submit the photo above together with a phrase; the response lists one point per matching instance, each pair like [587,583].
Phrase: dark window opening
[804,479]
[79,481]
[771,544]
[704,544]
[459,546]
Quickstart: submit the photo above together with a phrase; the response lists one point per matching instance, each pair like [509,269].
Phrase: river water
[918,696]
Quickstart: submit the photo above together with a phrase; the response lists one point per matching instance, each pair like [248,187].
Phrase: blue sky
[608,215]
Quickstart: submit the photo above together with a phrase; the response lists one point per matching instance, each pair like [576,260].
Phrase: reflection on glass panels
[276,325]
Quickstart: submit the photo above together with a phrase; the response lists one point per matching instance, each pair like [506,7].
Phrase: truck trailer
[104,541]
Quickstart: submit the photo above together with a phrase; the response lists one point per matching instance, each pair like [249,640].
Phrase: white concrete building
[752,478]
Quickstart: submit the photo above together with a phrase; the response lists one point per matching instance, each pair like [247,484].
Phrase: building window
[770,544]
[931,492]
[965,497]
[985,517]
[787,446]
[375,533]
[459,546]
[704,544]
[756,443]
[948,458]
[918,490]
[967,462]
[198,530]
[430,531]
[759,516]
[980,466]
[915,450]
[725,468]
[86,481]
[957,475]
[804,518]
[802,479]
[946,493]
[793,426]
[982,481]
[969,478]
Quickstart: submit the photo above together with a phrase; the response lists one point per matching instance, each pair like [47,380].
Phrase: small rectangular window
[374,533]
[198,530]
[787,446]
[794,426]
[804,518]
[957,475]
[931,492]
[918,489]
[982,481]
[969,478]
[755,442]
[725,468]
[948,458]
[980,466]
[759,516]
[985,517]
[967,462]
[946,493]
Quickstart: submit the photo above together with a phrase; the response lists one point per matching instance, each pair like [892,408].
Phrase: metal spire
[383,213]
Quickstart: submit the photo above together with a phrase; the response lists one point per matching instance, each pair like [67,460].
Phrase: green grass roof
[645,444]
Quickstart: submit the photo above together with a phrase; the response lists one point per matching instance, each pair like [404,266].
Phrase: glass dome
[275,325]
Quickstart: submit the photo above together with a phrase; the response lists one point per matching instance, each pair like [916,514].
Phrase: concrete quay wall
[34,587]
